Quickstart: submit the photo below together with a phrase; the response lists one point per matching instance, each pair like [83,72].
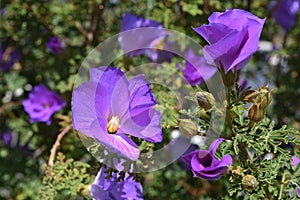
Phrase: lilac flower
[204,163]
[285,12]
[298,192]
[42,103]
[149,44]
[295,161]
[199,73]
[109,106]
[233,37]
[8,57]
[6,137]
[55,46]
[109,188]
[242,84]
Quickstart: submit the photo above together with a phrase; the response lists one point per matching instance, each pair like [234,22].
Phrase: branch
[56,144]
[9,105]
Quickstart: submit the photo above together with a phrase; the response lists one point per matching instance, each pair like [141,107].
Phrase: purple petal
[215,145]
[111,93]
[213,32]
[196,69]
[298,192]
[136,126]
[118,143]
[295,161]
[109,188]
[234,42]
[83,107]
[141,97]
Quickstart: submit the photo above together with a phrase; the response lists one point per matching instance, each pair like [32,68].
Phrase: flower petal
[145,125]
[215,145]
[234,42]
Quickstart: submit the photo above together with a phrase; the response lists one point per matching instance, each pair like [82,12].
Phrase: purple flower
[6,137]
[295,161]
[285,12]
[109,188]
[242,84]
[149,44]
[55,46]
[199,73]
[42,103]
[233,37]
[204,163]
[109,107]
[298,192]
[8,57]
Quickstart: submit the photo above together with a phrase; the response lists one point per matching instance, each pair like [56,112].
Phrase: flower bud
[205,100]
[249,182]
[256,112]
[188,127]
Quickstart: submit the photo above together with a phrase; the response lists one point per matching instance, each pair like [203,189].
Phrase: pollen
[113,125]
[159,45]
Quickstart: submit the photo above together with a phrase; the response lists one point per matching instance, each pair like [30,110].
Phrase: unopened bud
[205,100]
[249,182]
[188,127]
[256,112]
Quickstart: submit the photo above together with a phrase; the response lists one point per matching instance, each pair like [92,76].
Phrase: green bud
[249,182]
[256,112]
[205,100]
[188,127]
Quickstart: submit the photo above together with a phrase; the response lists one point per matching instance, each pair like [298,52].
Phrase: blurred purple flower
[6,137]
[55,46]
[8,57]
[295,161]
[2,11]
[42,103]
[152,45]
[204,163]
[298,192]
[109,188]
[242,84]
[233,37]
[109,106]
[199,73]
[285,12]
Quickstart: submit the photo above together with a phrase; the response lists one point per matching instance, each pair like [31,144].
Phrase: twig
[281,186]
[56,145]
[9,105]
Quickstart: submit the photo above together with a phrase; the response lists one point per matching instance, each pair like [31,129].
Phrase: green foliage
[66,179]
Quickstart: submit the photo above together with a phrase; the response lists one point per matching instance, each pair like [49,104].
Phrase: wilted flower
[199,72]
[55,46]
[109,188]
[42,103]
[233,37]
[8,57]
[285,12]
[205,164]
[295,161]
[109,107]
[256,112]
[149,44]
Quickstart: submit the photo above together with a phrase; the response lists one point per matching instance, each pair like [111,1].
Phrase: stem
[228,111]
[9,105]
[267,192]
[281,186]
[56,144]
